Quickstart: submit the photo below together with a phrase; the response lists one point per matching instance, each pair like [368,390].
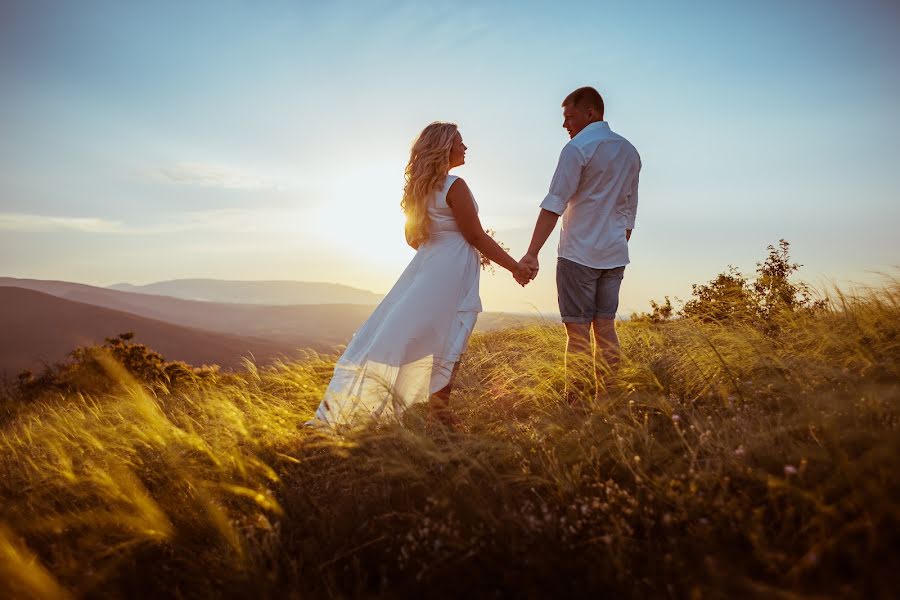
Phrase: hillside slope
[38,327]
[318,326]
[255,292]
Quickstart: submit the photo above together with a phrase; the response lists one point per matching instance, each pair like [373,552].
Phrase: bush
[87,370]
[732,297]
[659,313]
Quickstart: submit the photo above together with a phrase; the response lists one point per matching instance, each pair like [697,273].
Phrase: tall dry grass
[731,460]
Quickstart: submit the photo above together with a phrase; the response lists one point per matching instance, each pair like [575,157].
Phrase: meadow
[750,448]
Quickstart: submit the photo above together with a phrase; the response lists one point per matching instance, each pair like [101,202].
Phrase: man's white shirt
[595,189]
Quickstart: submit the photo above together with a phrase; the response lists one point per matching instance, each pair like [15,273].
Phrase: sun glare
[362,218]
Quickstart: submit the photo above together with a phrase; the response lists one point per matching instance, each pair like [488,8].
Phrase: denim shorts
[585,293]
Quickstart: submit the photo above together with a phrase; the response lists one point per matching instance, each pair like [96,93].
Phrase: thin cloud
[226,220]
[216,176]
[238,220]
[42,223]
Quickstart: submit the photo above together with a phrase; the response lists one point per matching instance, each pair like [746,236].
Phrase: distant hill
[321,327]
[38,328]
[255,292]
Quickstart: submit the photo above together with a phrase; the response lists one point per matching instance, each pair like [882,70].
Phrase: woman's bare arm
[461,202]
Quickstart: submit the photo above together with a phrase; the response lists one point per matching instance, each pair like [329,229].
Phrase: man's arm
[562,188]
[546,223]
[631,202]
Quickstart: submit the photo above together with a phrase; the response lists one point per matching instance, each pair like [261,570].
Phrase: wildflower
[790,470]
[739,451]
[676,418]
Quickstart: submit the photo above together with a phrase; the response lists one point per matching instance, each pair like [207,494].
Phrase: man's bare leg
[607,346]
[579,376]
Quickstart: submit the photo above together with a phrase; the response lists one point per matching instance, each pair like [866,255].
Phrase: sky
[142,142]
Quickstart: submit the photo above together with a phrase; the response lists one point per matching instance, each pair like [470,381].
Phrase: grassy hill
[737,457]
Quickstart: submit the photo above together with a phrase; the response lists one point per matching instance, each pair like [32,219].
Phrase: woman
[409,349]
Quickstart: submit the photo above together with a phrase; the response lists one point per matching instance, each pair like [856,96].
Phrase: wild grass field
[751,448]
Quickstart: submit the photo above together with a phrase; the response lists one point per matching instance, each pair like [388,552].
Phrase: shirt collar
[598,125]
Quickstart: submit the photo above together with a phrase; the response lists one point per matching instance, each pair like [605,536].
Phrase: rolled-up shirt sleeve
[631,201]
[565,179]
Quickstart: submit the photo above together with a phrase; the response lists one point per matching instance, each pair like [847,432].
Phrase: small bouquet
[485,261]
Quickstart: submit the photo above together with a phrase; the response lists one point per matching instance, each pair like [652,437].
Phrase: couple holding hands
[409,349]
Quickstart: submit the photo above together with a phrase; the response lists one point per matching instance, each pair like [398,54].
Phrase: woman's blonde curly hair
[429,163]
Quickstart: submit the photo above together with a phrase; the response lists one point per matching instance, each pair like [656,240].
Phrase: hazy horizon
[238,142]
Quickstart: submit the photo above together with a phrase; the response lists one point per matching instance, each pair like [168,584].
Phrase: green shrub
[732,297]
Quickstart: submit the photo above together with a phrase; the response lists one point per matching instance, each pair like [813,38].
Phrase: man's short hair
[585,97]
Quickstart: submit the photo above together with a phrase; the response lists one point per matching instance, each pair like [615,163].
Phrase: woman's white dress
[407,348]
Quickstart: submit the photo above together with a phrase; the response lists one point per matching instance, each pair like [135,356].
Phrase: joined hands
[527,270]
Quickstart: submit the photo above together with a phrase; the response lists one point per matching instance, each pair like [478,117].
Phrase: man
[594,189]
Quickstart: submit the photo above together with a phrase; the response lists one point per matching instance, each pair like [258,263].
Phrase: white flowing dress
[407,348]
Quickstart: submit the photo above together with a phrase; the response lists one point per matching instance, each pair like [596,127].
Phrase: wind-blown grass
[730,460]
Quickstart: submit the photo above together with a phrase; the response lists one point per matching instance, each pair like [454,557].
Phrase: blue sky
[267,140]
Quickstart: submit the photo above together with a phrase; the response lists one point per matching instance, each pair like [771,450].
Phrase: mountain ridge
[322,328]
[275,292]
[41,328]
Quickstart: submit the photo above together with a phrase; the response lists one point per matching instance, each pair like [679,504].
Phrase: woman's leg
[439,404]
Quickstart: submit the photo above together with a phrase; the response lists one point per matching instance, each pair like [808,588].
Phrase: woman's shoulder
[455,182]
[457,189]
[451,180]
